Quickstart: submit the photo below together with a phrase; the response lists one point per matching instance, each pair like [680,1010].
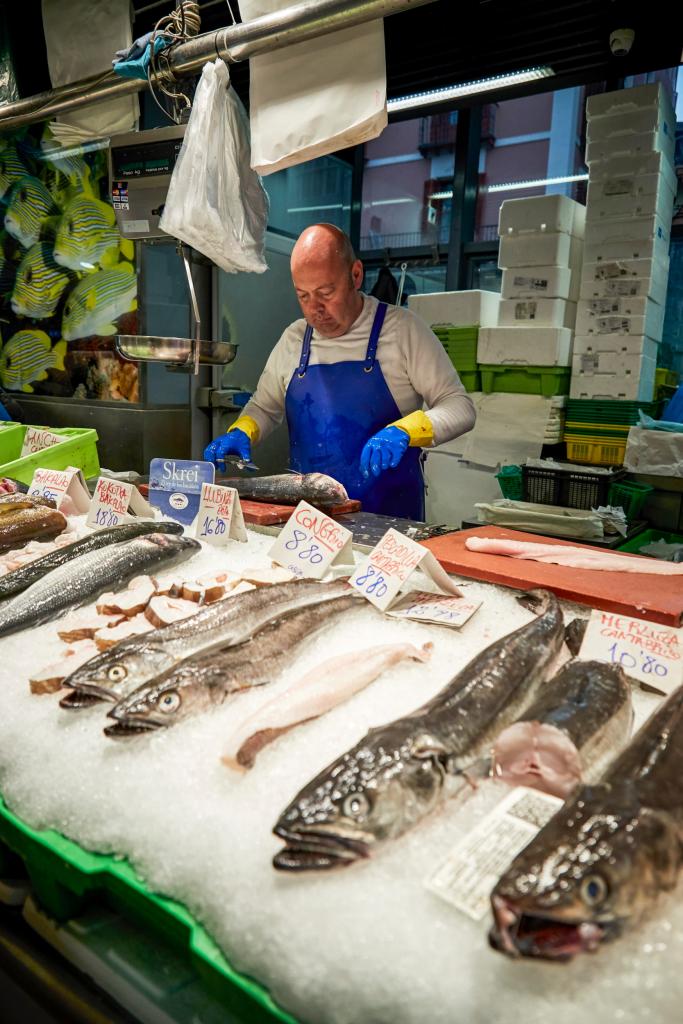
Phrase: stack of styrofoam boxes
[456,318]
[541,243]
[631,188]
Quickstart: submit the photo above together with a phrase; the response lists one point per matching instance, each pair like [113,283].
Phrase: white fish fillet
[575,558]
[319,690]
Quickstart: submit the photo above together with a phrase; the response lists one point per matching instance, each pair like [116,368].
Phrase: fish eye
[116,673]
[356,805]
[169,701]
[594,890]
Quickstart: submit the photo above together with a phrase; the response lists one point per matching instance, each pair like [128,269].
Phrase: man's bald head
[327,278]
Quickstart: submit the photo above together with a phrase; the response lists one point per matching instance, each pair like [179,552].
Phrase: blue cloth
[673,410]
[4,415]
[384,451]
[134,62]
[235,442]
[332,410]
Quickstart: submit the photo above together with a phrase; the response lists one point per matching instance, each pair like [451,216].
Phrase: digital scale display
[145,160]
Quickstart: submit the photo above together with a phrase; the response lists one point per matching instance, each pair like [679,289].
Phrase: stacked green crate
[460,344]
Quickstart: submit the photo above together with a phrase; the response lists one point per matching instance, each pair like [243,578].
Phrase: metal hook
[404,267]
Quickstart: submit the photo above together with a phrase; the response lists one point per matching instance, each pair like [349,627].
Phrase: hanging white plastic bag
[216,202]
[315,97]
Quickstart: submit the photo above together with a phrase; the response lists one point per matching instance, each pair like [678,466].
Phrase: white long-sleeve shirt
[414,364]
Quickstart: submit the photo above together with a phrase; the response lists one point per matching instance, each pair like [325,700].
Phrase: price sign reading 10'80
[310,543]
[647,651]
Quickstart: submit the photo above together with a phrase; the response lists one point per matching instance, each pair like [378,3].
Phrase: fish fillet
[318,691]
[573,557]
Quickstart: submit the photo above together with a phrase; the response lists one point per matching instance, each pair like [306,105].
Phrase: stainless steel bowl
[151,349]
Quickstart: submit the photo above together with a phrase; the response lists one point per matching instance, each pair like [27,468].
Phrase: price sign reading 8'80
[310,543]
[380,577]
[647,651]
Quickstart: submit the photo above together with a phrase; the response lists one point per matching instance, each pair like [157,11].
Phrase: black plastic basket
[570,488]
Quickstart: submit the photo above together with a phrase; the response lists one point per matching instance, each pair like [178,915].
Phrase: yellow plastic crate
[598,450]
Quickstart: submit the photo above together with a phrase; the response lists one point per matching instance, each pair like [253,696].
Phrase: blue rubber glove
[235,442]
[383,451]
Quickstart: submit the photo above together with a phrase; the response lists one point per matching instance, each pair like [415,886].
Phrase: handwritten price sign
[422,606]
[56,484]
[310,543]
[110,502]
[220,516]
[380,577]
[37,438]
[647,651]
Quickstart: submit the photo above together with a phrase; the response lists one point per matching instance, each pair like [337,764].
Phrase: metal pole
[303,21]
[464,201]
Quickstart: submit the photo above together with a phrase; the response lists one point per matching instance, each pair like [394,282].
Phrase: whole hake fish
[86,577]
[581,718]
[289,489]
[397,773]
[603,859]
[117,672]
[201,683]
[21,524]
[19,579]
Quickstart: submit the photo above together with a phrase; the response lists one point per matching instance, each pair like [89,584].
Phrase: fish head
[158,704]
[111,675]
[588,874]
[324,490]
[372,793]
[83,228]
[29,205]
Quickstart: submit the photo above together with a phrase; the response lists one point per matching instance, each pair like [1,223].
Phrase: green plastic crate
[595,410]
[526,380]
[630,495]
[471,379]
[65,879]
[79,449]
[646,537]
[460,344]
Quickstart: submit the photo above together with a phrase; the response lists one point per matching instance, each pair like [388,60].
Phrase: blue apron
[332,410]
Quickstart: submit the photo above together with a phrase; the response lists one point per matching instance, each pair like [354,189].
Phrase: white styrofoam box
[625,206]
[624,101]
[649,323]
[620,364]
[541,283]
[627,229]
[659,141]
[525,346]
[622,269]
[542,249]
[654,247]
[632,123]
[592,348]
[632,387]
[453,487]
[537,313]
[619,172]
[653,287]
[461,309]
[635,187]
[541,213]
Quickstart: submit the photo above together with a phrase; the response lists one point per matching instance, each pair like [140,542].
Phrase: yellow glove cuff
[248,426]
[418,427]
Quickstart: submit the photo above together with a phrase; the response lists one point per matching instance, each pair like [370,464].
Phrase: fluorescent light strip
[511,185]
[453,92]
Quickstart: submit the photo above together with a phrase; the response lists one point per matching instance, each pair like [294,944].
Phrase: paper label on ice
[647,651]
[476,862]
[421,606]
[37,438]
[382,574]
[310,543]
[57,484]
[220,516]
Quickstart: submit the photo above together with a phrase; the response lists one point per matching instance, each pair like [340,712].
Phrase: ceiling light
[454,92]
[536,183]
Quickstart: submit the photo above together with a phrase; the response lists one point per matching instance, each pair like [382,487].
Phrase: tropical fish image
[97,301]
[9,258]
[30,206]
[87,236]
[39,283]
[12,169]
[66,160]
[27,357]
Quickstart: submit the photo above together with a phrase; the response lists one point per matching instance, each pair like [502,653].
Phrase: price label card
[477,861]
[175,487]
[37,438]
[112,501]
[220,516]
[59,484]
[422,606]
[647,651]
[380,577]
[310,543]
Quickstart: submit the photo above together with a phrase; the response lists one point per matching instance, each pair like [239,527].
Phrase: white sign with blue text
[647,651]
[175,487]
[220,516]
[310,543]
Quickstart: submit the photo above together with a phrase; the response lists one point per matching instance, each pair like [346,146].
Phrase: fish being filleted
[84,578]
[12,169]
[31,208]
[21,525]
[289,489]
[601,862]
[87,236]
[39,283]
[233,620]
[201,683]
[20,579]
[580,720]
[27,357]
[98,300]
[398,773]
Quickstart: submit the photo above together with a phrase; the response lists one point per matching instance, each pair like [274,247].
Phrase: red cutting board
[656,598]
[260,513]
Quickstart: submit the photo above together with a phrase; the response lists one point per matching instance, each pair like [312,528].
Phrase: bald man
[364,386]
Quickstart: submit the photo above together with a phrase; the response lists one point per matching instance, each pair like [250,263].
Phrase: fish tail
[58,353]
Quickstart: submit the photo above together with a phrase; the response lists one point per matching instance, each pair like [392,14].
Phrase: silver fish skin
[20,579]
[84,578]
[580,720]
[201,683]
[397,774]
[601,862]
[290,488]
[117,672]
